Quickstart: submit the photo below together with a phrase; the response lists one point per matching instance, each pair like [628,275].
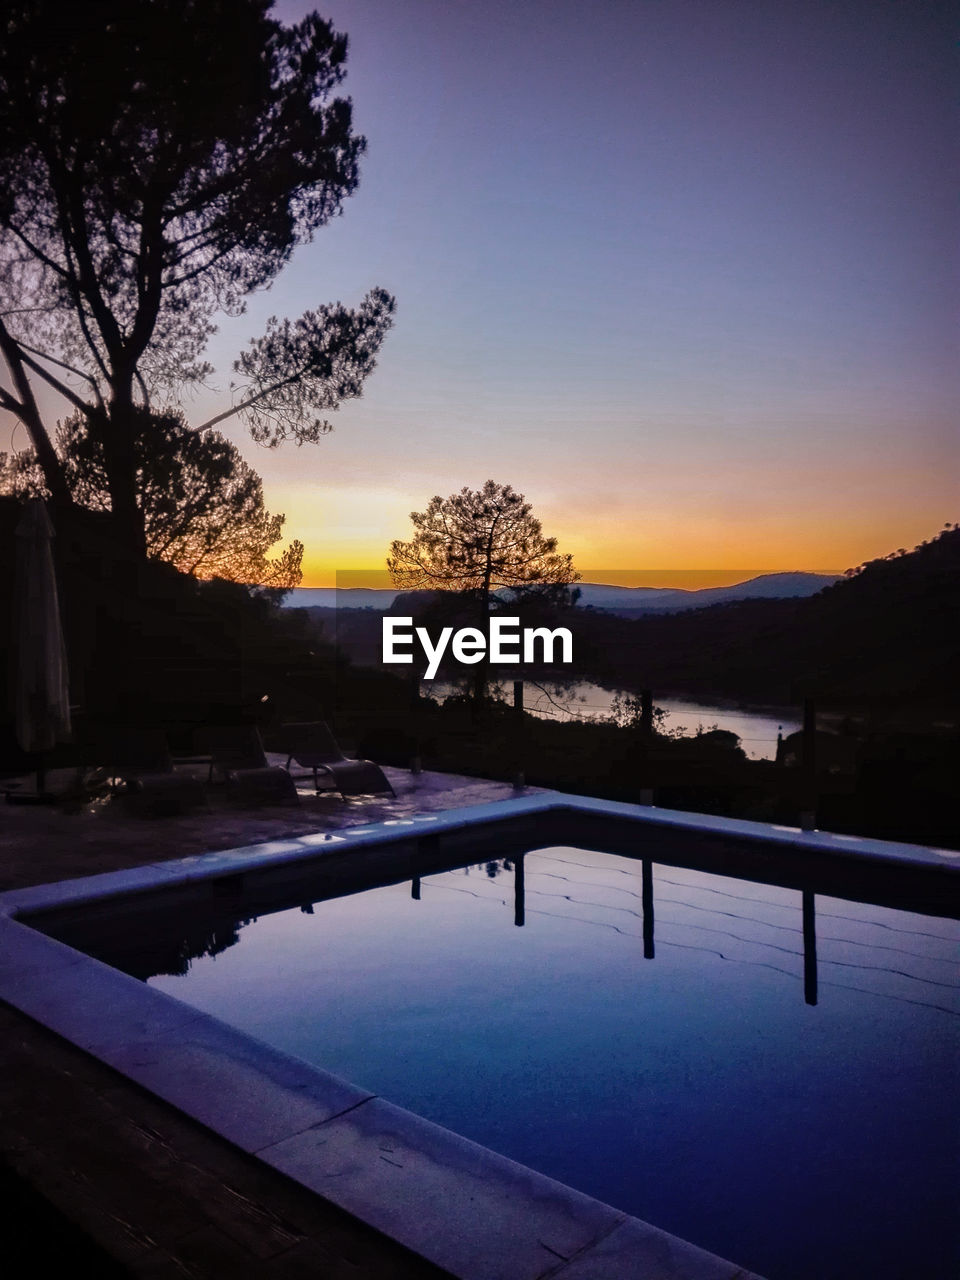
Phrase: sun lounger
[140,760]
[237,756]
[313,747]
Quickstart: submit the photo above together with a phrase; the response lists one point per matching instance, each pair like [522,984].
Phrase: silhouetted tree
[158,162]
[477,542]
[202,505]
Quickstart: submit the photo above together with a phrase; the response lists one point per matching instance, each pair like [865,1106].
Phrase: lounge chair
[140,759]
[313,747]
[236,753]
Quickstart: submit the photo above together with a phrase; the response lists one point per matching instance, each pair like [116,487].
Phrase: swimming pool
[683,1044]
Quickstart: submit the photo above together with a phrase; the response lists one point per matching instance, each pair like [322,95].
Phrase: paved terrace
[150,1192]
[40,844]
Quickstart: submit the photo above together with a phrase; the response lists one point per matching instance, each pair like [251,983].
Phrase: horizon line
[677,579]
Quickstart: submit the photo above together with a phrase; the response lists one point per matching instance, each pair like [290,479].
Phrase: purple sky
[684,272]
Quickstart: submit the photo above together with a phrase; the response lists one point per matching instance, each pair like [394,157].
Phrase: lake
[757,730]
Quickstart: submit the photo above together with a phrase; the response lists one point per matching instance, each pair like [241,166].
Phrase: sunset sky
[683,272]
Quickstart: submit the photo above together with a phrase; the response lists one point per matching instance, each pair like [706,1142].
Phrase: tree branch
[83,277]
[29,414]
[44,355]
[245,404]
[57,385]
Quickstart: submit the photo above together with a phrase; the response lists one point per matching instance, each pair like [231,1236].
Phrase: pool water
[767,1074]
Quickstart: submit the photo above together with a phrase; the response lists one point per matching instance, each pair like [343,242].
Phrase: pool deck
[41,844]
[390,1181]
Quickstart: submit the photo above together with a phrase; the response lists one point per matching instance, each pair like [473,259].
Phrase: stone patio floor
[153,1193]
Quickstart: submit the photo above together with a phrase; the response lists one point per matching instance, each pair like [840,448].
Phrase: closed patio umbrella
[42,701]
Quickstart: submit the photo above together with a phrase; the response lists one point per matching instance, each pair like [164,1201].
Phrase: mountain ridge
[598,596]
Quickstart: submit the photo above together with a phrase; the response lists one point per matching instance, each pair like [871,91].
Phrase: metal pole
[416,764]
[519,780]
[808,814]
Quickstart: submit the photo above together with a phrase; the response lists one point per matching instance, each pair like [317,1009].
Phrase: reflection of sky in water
[697,1090]
[757,730]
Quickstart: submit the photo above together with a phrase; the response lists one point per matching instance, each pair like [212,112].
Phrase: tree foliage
[202,504]
[479,542]
[158,162]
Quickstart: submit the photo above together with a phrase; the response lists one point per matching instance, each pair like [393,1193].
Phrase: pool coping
[469,1210]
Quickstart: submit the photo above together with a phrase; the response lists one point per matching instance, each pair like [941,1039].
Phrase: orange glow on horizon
[672,543]
[684,579]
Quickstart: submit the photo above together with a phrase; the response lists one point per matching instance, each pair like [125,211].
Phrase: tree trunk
[28,412]
[481,672]
[53,476]
[119,452]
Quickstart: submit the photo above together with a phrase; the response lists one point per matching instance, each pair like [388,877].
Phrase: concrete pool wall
[463,1207]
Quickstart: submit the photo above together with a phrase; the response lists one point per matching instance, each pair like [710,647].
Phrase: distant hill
[376,598]
[634,601]
[627,601]
[890,631]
